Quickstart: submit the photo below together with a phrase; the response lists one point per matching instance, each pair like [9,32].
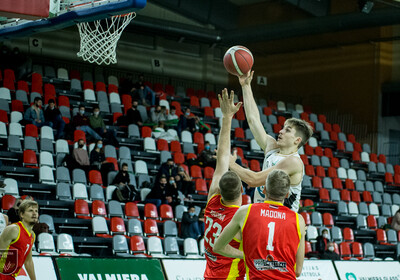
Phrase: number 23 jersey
[217,216]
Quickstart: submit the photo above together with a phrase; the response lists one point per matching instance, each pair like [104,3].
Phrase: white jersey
[2,223]
[293,201]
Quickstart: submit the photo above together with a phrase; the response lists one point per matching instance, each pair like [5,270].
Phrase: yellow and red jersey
[217,216]
[271,237]
[14,257]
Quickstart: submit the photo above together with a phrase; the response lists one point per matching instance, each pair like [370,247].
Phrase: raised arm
[265,141]
[290,165]
[228,109]
[301,249]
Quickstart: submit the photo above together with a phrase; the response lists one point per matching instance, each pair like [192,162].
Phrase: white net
[99,38]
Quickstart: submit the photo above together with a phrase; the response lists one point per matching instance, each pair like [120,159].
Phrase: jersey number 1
[271,232]
[210,224]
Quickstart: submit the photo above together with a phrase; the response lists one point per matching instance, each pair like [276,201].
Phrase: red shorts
[6,277]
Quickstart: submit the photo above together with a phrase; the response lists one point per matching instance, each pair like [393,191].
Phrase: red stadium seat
[131,210]
[349,184]
[200,93]
[63,101]
[348,235]
[304,158]
[150,228]
[337,183]
[208,172]
[304,116]
[208,112]
[195,172]
[336,128]
[74,74]
[239,134]
[100,86]
[194,101]
[310,170]
[322,118]
[281,120]
[49,89]
[356,157]
[79,134]
[198,138]
[150,211]
[99,208]
[7,201]
[113,161]
[320,171]
[355,197]
[190,156]
[201,187]
[357,147]
[4,117]
[211,94]
[371,222]
[170,90]
[328,127]
[373,157]
[318,151]
[307,248]
[126,100]
[240,116]
[345,252]
[381,236]
[214,103]
[267,111]
[255,165]
[367,198]
[16,105]
[30,159]
[112,88]
[324,195]
[240,152]
[117,225]
[136,245]
[317,182]
[328,153]
[166,212]
[351,138]
[246,199]
[88,85]
[333,136]
[276,128]
[9,83]
[357,250]
[179,158]
[31,130]
[95,177]
[345,195]
[382,158]
[23,85]
[307,218]
[308,150]
[81,209]
[162,145]
[146,131]
[272,104]
[175,146]
[308,202]
[328,220]
[116,116]
[389,178]
[340,146]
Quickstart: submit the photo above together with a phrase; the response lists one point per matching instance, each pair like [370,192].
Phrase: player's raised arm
[228,109]
[221,245]
[265,141]
[301,249]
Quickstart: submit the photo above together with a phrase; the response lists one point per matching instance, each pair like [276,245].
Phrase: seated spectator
[187,121]
[81,122]
[34,114]
[97,123]
[146,94]
[329,253]
[172,114]
[190,224]
[184,183]
[125,191]
[172,195]
[133,115]
[53,115]
[322,242]
[168,169]
[158,115]
[98,161]
[206,157]
[158,194]
[80,158]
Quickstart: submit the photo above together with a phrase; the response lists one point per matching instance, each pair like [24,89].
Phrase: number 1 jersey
[217,216]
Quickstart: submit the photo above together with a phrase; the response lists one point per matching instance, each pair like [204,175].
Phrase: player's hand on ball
[228,107]
[246,78]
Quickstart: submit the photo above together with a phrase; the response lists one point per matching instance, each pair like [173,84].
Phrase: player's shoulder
[11,231]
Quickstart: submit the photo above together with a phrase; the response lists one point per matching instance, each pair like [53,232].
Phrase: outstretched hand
[233,158]
[246,78]
[228,107]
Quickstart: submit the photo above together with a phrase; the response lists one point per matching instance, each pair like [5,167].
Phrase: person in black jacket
[330,253]
[172,192]
[158,194]
[168,169]
[190,224]
[133,115]
[53,115]
[125,191]
[98,161]
[322,242]
[184,182]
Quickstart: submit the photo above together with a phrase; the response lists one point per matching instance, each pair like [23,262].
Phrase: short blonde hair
[26,204]
[303,129]
[277,184]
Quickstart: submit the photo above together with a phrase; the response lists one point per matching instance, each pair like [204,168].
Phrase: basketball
[238,60]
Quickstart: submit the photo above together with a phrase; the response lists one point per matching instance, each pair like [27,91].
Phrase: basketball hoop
[99,38]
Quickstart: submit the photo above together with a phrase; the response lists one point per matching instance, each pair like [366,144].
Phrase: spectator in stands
[97,123]
[187,121]
[172,192]
[80,158]
[81,122]
[159,114]
[322,242]
[396,221]
[206,157]
[147,95]
[184,182]
[133,115]
[172,114]
[190,224]
[329,253]
[34,114]
[52,114]
[168,168]
[98,161]
[158,194]
[125,190]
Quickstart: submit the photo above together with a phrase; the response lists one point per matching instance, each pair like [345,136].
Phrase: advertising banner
[318,270]
[44,269]
[184,269]
[109,269]
[368,270]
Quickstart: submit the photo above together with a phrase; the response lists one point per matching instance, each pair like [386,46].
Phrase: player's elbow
[299,268]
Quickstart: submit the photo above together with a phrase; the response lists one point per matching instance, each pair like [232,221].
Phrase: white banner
[44,269]
[368,270]
[184,269]
[318,270]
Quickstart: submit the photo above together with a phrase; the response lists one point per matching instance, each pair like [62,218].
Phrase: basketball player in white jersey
[279,154]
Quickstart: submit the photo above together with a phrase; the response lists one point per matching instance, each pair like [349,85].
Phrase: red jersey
[271,237]
[17,252]
[217,216]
